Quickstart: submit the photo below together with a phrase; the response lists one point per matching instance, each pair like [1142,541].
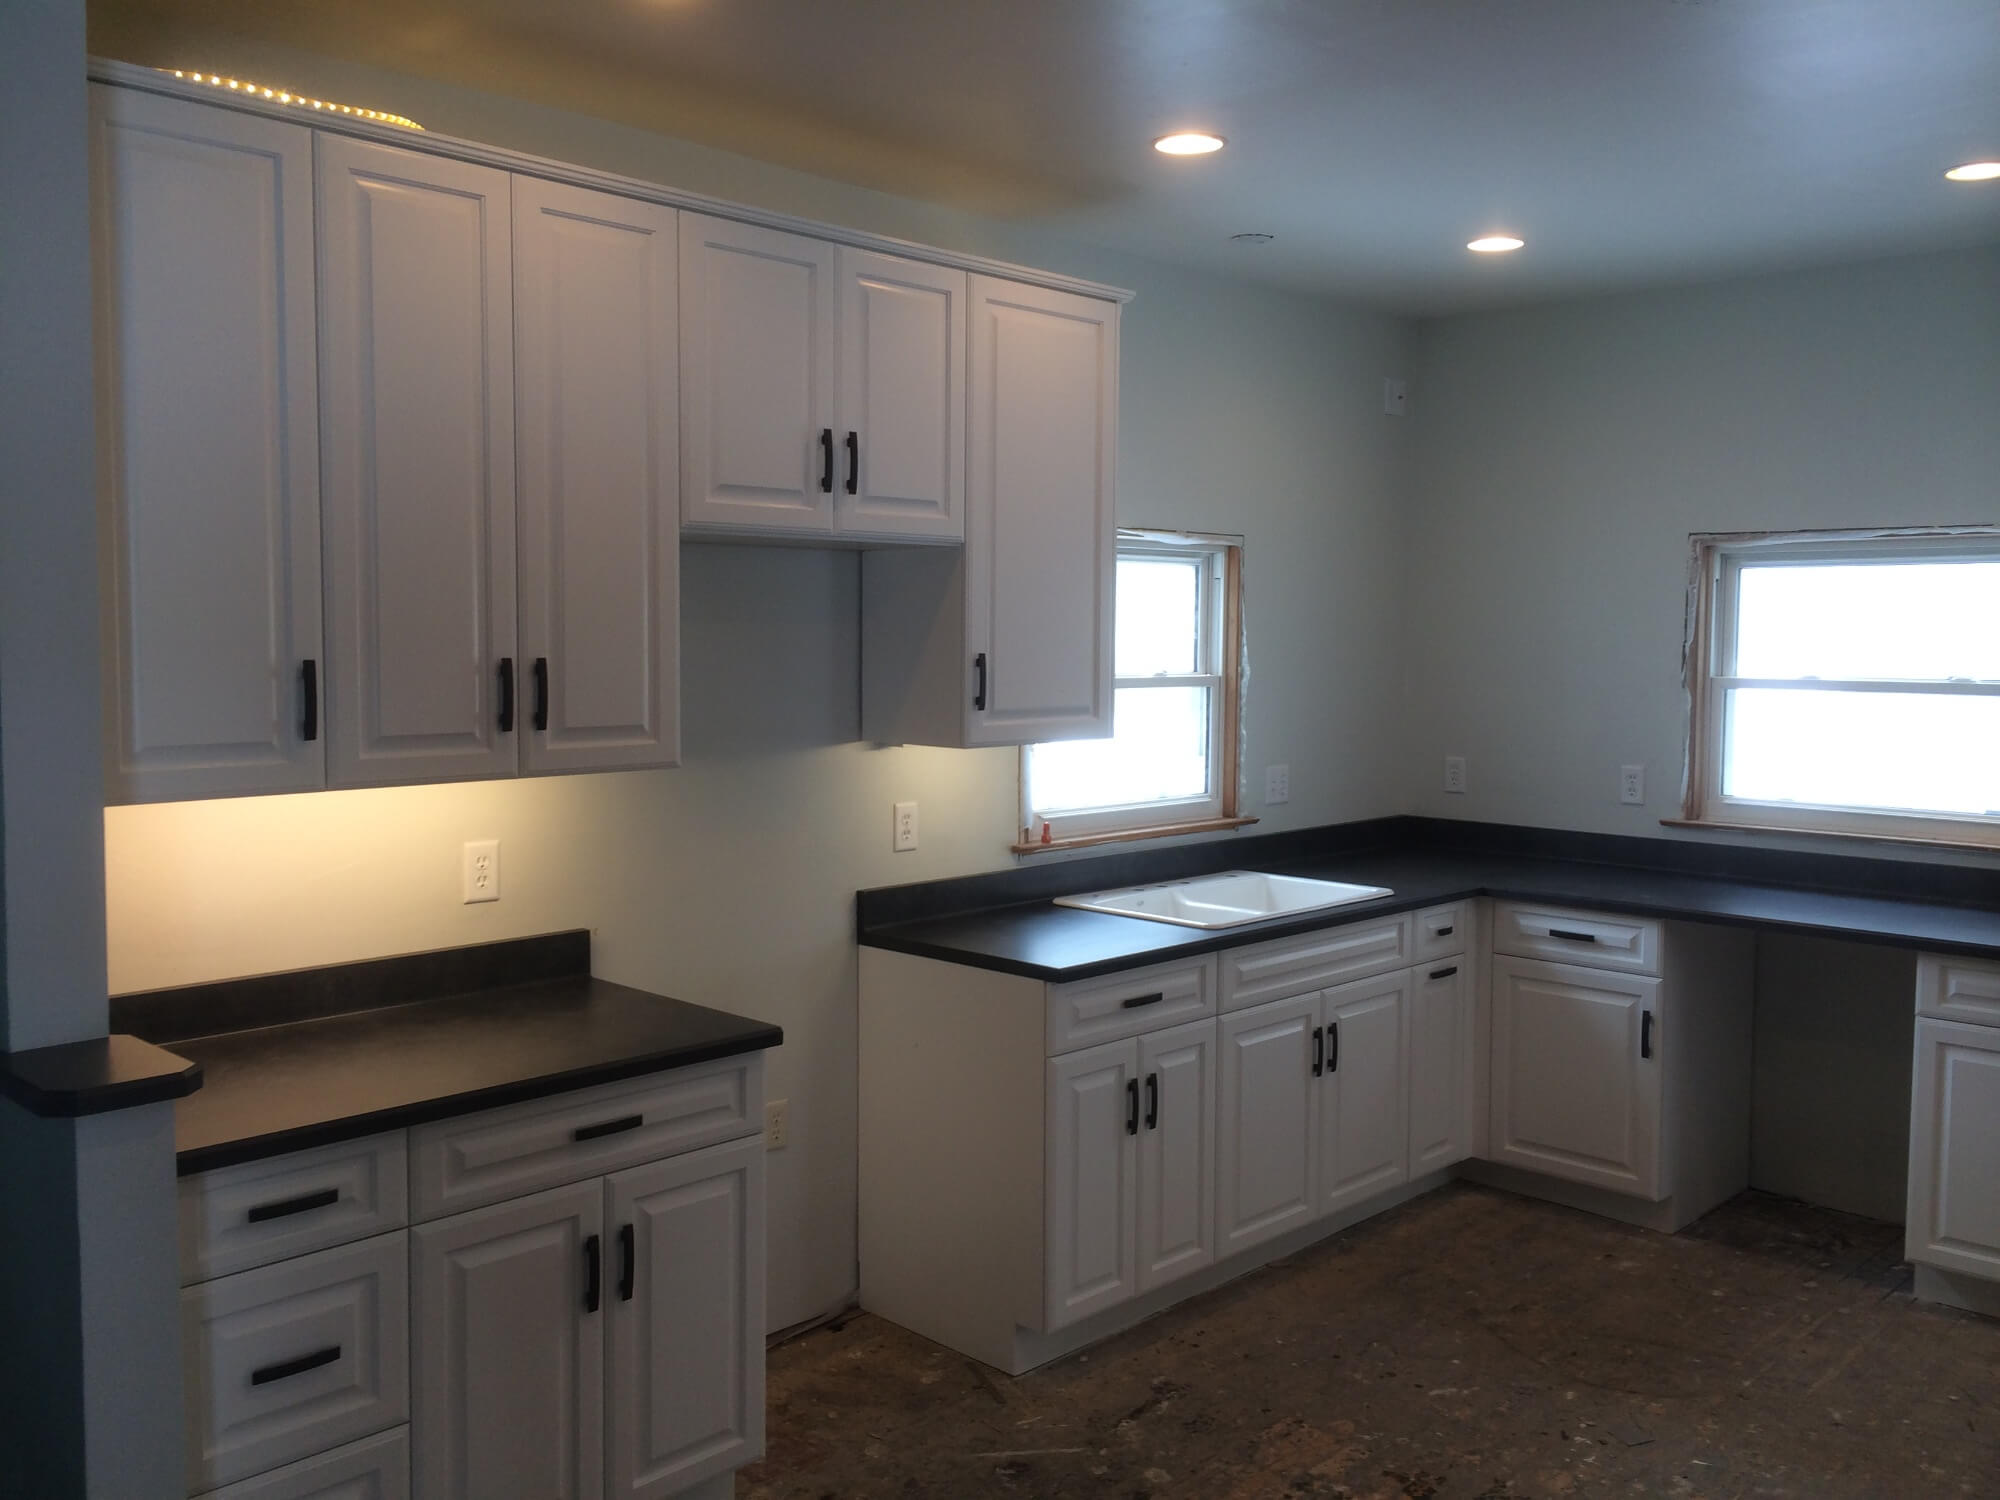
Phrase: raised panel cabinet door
[417,419]
[1954,1201]
[901,470]
[1264,1140]
[759,318]
[597,434]
[1092,1183]
[1364,1118]
[1040,537]
[1177,1088]
[687,1319]
[1443,1060]
[508,1356]
[208,449]
[1576,1074]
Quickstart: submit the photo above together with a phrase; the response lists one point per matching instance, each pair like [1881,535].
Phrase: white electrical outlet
[1454,774]
[906,827]
[480,872]
[1632,785]
[1277,785]
[777,1124]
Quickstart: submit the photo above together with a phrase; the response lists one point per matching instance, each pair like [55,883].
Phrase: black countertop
[1043,941]
[95,1076]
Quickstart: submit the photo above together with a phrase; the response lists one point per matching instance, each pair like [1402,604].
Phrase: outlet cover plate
[1632,785]
[479,873]
[1277,784]
[906,828]
[1454,775]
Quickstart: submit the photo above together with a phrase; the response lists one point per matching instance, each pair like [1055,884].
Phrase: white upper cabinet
[597,440]
[417,418]
[759,312]
[901,464]
[208,460]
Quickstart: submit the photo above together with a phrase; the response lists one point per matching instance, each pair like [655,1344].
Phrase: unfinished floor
[1469,1344]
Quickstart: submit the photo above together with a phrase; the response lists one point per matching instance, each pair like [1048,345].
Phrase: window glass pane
[1904,621]
[1159,616]
[1915,752]
[1158,752]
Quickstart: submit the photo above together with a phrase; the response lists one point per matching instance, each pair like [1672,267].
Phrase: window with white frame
[1171,758]
[1848,684]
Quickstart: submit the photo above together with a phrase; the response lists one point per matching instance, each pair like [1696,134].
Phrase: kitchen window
[1847,684]
[1170,764]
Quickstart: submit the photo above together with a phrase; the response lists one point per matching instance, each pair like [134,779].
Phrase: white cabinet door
[1176,1152]
[687,1319]
[1093,1123]
[417,408]
[902,399]
[1443,1066]
[598,425]
[1265,1146]
[208,456]
[1954,1202]
[1040,531]
[759,313]
[508,1363]
[1577,1055]
[1364,1121]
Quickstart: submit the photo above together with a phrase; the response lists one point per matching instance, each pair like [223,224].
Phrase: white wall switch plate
[1632,785]
[1395,398]
[1277,785]
[777,1124]
[479,873]
[1454,774]
[906,827]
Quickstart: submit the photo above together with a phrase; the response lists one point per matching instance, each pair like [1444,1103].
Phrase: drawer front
[1292,966]
[376,1468]
[1443,930]
[237,1217]
[287,1360]
[522,1148]
[1121,1005]
[1566,936]
[1958,989]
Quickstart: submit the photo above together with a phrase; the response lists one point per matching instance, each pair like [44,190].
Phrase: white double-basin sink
[1226,900]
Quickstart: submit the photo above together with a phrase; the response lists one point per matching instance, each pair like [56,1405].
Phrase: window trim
[1222,606]
[1716,564]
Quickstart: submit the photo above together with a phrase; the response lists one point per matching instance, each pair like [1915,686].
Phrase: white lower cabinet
[1364,1122]
[376,1468]
[1177,1070]
[1265,1137]
[1953,1222]
[1444,1065]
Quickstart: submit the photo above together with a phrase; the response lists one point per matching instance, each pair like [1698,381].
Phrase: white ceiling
[1628,141]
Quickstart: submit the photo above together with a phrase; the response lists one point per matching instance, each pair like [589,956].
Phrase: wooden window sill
[1126,835]
[1709,825]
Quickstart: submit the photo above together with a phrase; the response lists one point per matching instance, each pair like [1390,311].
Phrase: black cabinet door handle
[284,1208]
[593,1274]
[541,692]
[299,1366]
[1444,932]
[1444,973]
[628,1262]
[1152,1101]
[1137,1001]
[506,695]
[607,1127]
[309,699]
[1333,1047]
[826,460]
[1646,1034]
[1573,937]
[1319,1050]
[1131,1106]
[853,463]
[979,693]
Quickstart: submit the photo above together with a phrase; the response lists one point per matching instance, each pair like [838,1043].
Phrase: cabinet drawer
[504,1153]
[290,1359]
[1292,966]
[1958,989]
[237,1217]
[1443,930]
[1121,1005]
[376,1468]
[1567,936]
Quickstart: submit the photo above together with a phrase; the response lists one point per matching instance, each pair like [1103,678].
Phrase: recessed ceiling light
[1494,244]
[1188,143]
[1975,171]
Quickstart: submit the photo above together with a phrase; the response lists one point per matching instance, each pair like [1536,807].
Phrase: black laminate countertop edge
[95,1076]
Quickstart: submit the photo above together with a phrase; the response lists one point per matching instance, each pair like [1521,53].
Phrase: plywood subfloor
[1469,1344]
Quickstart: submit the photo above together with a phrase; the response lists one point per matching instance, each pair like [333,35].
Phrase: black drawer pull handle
[1131,1106]
[826,460]
[506,695]
[628,1267]
[541,692]
[979,693]
[1444,973]
[1319,1051]
[1443,932]
[309,693]
[1646,1034]
[284,1208]
[297,1366]
[1138,1000]
[607,1127]
[593,1273]
[1152,1101]
[853,463]
[1333,1047]
[1573,937]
